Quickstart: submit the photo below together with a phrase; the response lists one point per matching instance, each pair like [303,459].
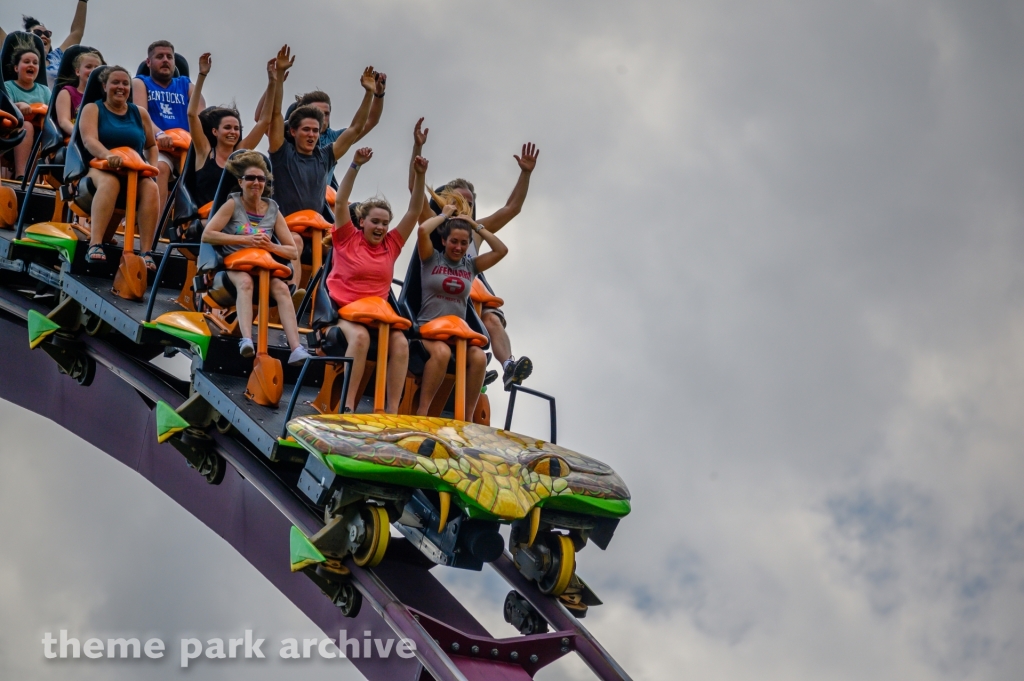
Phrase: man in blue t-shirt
[166,98]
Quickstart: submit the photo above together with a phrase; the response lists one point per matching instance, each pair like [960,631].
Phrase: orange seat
[130,160]
[249,259]
[302,221]
[371,310]
[9,121]
[181,138]
[332,196]
[204,210]
[36,113]
[452,328]
[480,294]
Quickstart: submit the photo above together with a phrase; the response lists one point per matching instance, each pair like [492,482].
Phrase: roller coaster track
[253,510]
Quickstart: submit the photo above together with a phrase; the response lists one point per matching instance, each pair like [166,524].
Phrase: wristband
[354,166]
[380,96]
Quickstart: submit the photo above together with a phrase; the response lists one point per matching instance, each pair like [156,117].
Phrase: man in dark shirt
[301,166]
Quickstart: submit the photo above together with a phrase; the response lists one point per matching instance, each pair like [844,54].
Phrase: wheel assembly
[563,565]
[378,531]
[349,600]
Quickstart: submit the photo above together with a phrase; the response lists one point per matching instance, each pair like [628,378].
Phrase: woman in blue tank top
[107,124]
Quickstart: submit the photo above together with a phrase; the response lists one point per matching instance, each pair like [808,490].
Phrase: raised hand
[362,156]
[382,83]
[419,134]
[528,161]
[284,61]
[205,63]
[368,79]
[419,165]
[448,210]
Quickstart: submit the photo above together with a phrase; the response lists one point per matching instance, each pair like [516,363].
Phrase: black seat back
[11,43]
[185,208]
[180,67]
[76,161]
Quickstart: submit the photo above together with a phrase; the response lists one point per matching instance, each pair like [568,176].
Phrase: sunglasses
[255,178]
[43,34]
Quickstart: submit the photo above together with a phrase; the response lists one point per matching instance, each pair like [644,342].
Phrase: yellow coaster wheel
[378,531]
[563,565]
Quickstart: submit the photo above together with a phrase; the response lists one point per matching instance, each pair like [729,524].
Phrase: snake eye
[551,466]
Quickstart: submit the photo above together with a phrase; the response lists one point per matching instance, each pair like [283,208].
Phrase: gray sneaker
[298,356]
[246,348]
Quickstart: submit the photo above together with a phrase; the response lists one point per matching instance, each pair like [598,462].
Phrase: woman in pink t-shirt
[363,267]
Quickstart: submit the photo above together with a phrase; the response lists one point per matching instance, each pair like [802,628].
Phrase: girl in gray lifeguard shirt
[445,281]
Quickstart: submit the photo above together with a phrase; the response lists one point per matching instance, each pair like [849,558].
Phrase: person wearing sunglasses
[55,54]
[249,220]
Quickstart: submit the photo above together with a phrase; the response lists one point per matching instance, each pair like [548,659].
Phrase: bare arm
[263,124]
[416,201]
[140,97]
[341,215]
[77,26]
[284,62]
[501,217]
[419,138]
[485,261]
[377,106]
[287,248]
[423,245]
[213,232]
[64,112]
[150,146]
[354,131]
[195,126]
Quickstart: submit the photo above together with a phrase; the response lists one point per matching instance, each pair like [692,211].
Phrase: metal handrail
[159,275]
[302,377]
[512,405]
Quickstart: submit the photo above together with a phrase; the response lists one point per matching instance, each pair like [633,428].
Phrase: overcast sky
[770,266]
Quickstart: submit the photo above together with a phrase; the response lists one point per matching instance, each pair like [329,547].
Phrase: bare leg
[358,337]
[22,151]
[147,211]
[243,301]
[163,181]
[297,263]
[398,367]
[501,346]
[108,186]
[433,373]
[286,311]
[476,365]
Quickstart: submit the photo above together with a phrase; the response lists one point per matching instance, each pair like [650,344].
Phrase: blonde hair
[449,195]
[364,208]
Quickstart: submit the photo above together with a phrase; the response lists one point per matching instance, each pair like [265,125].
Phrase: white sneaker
[298,356]
[246,348]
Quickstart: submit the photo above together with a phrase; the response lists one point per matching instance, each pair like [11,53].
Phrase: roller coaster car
[449,485]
